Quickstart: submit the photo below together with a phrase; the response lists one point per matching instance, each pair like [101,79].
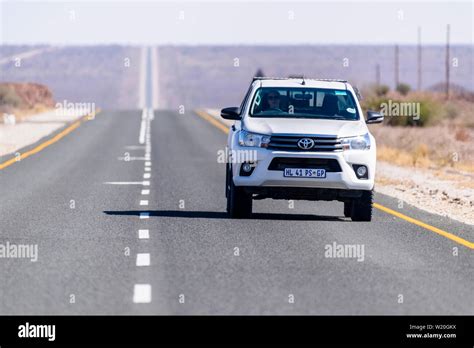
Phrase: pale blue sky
[233,22]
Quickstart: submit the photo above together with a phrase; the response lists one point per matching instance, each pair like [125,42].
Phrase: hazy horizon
[234,22]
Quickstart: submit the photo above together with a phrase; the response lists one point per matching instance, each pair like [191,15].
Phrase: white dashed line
[144,202]
[147,164]
[147,169]
[142,293]
[126,182]
[145,192]
[141,137]
[144,215]
[146,176]
[146,183]
[143,259]
[143,234]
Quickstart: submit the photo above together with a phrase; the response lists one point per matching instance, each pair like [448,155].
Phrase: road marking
[144,215]
[143,259]
[212,121]
[145,192]
[48,142]
[143,234]
[147,164]
[127,183]
[144,202]
[146,176]
[126,159]
[147,169]
[134,147]
[142,78]
[142,293]
[141,137]
[445,234]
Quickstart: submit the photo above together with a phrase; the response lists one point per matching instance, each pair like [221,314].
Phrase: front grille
[329,164]
[290,142]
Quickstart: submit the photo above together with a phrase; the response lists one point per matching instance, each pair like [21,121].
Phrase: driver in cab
[272,101]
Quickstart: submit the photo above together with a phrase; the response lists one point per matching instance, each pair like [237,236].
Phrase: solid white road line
[143,202]
[143,234]
[142,78]
[145,192]
[143,259]
[146,176]
[142,293]
[144,215]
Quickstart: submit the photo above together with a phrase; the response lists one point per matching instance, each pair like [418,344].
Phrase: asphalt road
[87,232]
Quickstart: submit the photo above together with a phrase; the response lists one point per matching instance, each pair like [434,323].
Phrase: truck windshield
[304,103]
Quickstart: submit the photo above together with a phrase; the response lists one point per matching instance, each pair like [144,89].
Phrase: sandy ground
[31,129]
[445,192]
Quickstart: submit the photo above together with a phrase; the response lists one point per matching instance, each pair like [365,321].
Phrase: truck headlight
[253,139]
[356,143]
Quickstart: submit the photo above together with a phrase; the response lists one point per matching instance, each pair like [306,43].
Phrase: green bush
[430,111]
[403,88]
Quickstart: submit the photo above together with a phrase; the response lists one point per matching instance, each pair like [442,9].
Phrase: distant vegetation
[433,108]
[23,96]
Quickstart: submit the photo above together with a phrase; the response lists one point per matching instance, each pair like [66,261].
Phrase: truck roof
[298,82]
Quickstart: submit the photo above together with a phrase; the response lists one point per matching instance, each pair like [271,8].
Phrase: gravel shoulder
[31,129]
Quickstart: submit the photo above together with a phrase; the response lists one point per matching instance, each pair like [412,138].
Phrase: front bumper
[346,179]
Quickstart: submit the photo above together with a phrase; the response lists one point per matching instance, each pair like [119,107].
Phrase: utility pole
[419,58]
[447,60]
[397,80]
[377,75]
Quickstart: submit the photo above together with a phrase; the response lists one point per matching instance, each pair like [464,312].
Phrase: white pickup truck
[297,138]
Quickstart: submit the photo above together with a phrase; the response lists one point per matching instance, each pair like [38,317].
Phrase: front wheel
[239,202]
[361,209]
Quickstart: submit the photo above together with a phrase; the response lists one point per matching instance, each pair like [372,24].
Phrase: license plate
[304,173]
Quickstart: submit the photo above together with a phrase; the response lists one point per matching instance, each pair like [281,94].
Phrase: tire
[362,207]
[347,209]
[239,202]
[227,186]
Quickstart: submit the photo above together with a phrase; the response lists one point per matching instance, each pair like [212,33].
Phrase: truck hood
[300,126]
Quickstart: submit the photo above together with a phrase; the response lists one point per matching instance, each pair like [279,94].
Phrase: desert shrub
[8,97]
[403,88]
[430,111]
[381,90]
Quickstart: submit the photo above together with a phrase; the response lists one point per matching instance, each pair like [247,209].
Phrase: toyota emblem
[305,143]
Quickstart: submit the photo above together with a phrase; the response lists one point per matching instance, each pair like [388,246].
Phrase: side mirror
[374,117]
[232,113]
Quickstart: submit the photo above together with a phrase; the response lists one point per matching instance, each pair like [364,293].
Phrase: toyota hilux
[299,138]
